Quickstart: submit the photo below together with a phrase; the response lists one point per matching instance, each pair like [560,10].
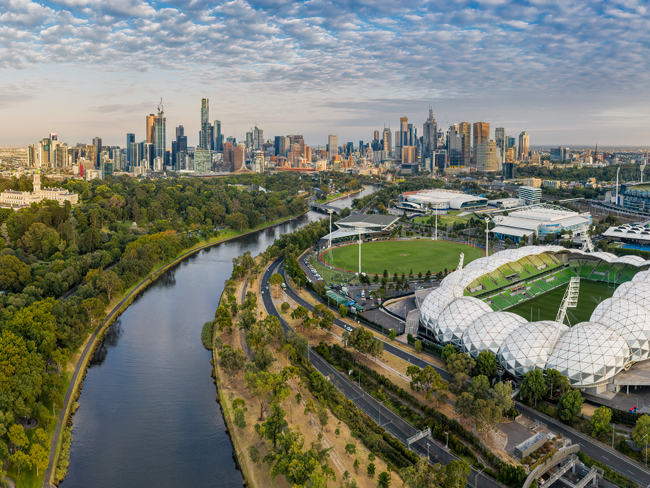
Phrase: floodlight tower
[487,235]
[570,300]
[360,230]
[643,169]
[330,211]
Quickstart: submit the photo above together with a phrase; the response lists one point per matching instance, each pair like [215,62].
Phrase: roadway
[589,446]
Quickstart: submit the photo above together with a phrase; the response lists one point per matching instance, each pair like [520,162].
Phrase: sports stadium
[514,304]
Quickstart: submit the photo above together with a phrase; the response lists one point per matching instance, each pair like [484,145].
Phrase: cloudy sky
[570,72]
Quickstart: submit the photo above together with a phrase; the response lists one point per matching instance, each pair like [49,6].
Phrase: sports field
[419,255]
[544,307]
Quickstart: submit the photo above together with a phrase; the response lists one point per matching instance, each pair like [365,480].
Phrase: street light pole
[447,441]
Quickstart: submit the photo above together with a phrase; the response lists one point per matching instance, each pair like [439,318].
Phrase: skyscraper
[97,142]
[205,139]
[218,136]
[455,146]
[486,156]
[130,137]
[386,142]
[524,146]
[149,130]
[500,139]
[333,145]
[403,129]
[258,138]
[481,133]
[464,129]
[429,136]
[160,130]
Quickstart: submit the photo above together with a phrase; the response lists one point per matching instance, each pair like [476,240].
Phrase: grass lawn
[444,220]
[420,255]
[545,306]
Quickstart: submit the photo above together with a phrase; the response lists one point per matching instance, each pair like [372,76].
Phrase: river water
[148,415]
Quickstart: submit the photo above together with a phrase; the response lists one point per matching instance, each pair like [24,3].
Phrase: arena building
[369,226]
[540,221]
[442,199]
[600,355]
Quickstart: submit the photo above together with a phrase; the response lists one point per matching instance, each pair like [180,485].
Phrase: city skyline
[567,72]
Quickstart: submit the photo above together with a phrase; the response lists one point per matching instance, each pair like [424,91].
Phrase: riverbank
[117,306]
[347,457]
[337,196]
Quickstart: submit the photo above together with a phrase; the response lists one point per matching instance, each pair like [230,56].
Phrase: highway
[592,448]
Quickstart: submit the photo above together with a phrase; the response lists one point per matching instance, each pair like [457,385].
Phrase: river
[148,415]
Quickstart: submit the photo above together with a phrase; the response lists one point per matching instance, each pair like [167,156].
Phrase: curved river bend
[148,415]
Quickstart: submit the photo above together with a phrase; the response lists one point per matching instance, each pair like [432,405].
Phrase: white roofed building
[442,199]
[22,199]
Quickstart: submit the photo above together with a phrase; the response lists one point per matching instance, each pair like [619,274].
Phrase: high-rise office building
[218,136]
[524,146]
[228,153]
[508,171]
[481,133]
[429,137]
[333,145]
[205,134]
[409,154]
[403,129]
[239,157]
[249,140]
[511,142]
[160,131]
[386,142]
[130,138]
[349,148]
[258,138]
[455,146]
[465,129]
[149,130]
[97,142]
[500,139]
[202,160]
[486,156]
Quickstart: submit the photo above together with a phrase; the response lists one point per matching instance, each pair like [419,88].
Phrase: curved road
[592,448]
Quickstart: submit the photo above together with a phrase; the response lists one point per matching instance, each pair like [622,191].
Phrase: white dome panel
[630,320]
[489,331]
[457,317]
[589,354]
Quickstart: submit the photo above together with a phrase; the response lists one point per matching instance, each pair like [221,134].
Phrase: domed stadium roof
[489,331]
[642,276]
[457,317]
[589,354]
[635,291]
[529,346]
[630,320]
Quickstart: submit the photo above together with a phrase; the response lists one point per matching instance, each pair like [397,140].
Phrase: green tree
[459,366]
[480,387]
[271,387]
[274,424]
[447,351]
[40,240]
[641,431]
[464,404]
[351,448]
[276,280]
[254,454]
[501,394]
[343,311]
[418,346]
[383,480]
[427,380]
[285,307]
[533,386]
[570,406]
[456,473]
[39,457]
[232,360]
[486,364]
[109,282]
[556,381]
[392,334]
[487,414]
[14,274]
[600,420]
[36,323]
[371,470]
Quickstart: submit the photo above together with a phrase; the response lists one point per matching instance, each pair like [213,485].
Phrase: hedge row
[434,349]
[610,474]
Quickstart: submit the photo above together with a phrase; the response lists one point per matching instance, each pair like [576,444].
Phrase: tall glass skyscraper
[160,130]
[206,132]
[130,137]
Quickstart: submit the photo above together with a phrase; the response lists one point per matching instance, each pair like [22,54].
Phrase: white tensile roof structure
[589,354]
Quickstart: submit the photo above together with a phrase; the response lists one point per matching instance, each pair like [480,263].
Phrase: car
[633,409]
[348,328]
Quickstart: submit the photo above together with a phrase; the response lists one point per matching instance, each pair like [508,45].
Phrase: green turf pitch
[545,307]
[420,255]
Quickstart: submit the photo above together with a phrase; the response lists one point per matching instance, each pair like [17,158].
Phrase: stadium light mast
[570,300]
[330,211]
[487,235]
[360,230]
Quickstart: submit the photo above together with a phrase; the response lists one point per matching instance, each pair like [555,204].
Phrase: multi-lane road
[589,446]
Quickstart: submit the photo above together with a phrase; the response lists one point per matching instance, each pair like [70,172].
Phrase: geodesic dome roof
[528,347]
[589,354]
[489,331]
[457,317]
[642,276]
[637,292]
[605,256]
[630,320]
[633,260]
